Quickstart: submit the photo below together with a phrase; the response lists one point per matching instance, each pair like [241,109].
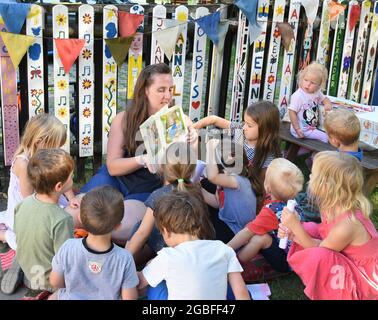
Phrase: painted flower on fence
[62,84]
[87,112]
[86,83]
[86,54]
[61,19]
[35,101]
[110,99]
[62,112]
[86,140]
[87,19]
[270,79]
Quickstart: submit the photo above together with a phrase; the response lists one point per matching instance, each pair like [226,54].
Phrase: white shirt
[194,270]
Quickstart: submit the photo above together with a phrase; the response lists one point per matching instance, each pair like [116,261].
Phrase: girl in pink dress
[338,258]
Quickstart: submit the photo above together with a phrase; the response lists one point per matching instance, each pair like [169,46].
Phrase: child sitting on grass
[337,259]
[192,269]
[41,226]
[108,270]
[283,181]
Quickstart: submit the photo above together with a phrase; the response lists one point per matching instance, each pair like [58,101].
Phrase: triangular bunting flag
[119,48]
[14,15]
[287,34]
[17,45]
[128,23]
[311,8]
[222,31]
[354,16]
[69,50]
[209,25]
[249,8]
[167,37]
[335,9]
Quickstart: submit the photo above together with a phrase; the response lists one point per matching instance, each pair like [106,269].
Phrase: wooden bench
[369,161]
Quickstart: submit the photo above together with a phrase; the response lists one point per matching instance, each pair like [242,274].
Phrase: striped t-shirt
[238,137]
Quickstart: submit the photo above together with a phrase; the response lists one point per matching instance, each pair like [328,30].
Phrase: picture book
[161,130]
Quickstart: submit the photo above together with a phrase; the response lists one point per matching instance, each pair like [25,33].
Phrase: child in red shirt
[283,181]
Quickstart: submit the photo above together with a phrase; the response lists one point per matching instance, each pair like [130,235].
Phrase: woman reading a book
[127,168]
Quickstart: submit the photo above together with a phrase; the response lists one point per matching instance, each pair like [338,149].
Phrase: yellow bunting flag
[167,37]
[119,48]
[17,45]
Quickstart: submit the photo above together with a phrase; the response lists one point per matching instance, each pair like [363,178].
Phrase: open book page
[173,125]
[161,130]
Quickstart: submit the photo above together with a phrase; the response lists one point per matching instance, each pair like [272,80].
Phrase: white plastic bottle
[291,206]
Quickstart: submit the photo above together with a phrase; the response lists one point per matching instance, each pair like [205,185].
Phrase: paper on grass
[260,291]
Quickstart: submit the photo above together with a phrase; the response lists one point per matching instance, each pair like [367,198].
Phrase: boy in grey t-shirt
[93,268]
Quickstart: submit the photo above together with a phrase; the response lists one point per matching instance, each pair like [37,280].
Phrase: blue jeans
[103,178]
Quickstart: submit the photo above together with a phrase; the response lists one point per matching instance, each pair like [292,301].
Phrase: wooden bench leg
[292,152]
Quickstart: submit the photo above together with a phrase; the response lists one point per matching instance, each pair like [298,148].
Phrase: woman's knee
[134,212]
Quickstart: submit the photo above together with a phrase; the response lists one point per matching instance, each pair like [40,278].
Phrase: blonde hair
[314,67]
[179,165]
[343,125]
[284,179]
[41,131]
[336,185]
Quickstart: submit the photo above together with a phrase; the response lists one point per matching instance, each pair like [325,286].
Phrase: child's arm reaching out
[212,120]
[220,179]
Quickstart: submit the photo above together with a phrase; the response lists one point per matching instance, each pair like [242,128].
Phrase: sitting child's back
[41,225]
[192,268]
[202,264]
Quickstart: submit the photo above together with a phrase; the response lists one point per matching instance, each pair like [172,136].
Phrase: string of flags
[14,16]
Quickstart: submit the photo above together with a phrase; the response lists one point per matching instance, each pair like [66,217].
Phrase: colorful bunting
[311,8]
[128,23]
[167,37]
[249,8]
[17,45]
[14,15]
[287,34]
[209,25]
[69,50]
[119,48]
[222,31]
[354,16]
[335,9]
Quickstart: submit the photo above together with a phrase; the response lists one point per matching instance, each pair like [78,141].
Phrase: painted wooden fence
[220,82]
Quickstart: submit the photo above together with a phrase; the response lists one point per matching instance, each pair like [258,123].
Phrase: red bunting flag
[128,23]
[354,16]
[69,50]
